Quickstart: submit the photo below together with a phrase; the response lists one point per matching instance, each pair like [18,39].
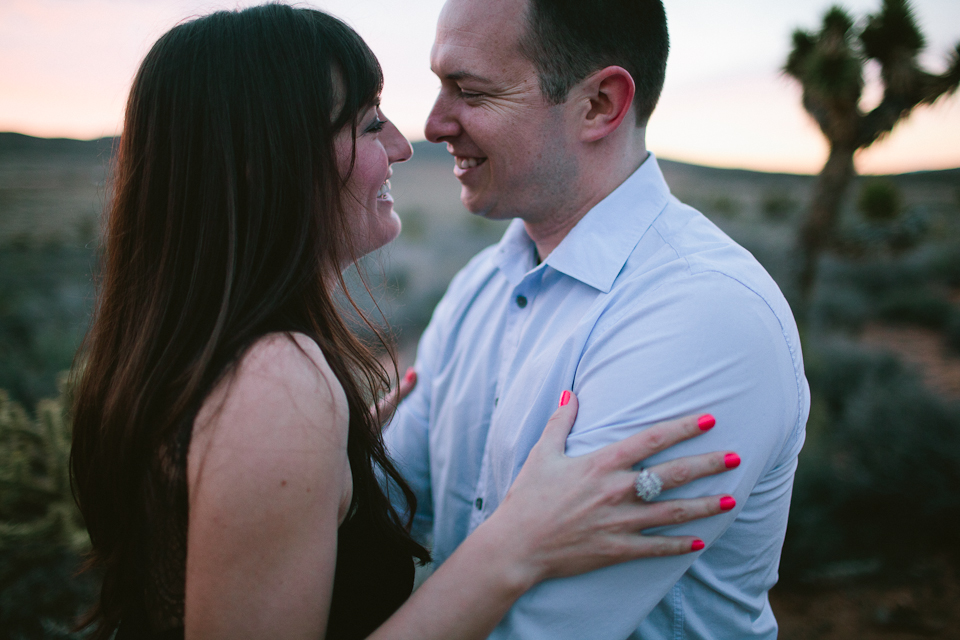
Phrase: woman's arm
[269,484]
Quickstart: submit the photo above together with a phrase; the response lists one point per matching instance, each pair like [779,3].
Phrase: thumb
[558,427]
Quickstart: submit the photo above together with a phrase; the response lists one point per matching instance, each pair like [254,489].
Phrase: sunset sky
[66,66]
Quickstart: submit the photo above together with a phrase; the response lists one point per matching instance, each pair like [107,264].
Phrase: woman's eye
[376,126]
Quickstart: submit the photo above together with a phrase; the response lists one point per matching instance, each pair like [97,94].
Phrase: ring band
[648,485]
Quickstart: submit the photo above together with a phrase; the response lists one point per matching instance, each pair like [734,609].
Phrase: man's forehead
[477,31]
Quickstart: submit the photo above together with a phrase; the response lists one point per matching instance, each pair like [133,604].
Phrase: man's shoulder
[684,251]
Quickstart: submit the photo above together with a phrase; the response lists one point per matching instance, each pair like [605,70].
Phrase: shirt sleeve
[704,344]
[407,435]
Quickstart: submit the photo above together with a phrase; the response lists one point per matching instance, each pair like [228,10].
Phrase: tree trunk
[824,211]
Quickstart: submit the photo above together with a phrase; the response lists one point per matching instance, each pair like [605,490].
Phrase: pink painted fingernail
[706,422]
[727,503]
[731,460]
[697,545]
[409,376]
[564,398]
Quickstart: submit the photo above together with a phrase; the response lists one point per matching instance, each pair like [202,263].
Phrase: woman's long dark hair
[225,224]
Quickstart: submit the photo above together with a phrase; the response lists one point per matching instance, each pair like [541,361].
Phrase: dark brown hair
[225,225]
[569,39]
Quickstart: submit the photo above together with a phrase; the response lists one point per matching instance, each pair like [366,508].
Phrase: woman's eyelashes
[376,126]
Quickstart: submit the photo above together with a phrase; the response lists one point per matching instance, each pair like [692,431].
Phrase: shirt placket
[518,312]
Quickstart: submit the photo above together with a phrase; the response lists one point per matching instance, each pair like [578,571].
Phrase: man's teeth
[384,189]
[469,163]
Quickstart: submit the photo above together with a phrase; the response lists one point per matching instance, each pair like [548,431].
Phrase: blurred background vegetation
[872,545]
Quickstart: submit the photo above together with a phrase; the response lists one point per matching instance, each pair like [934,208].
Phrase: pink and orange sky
[66,65]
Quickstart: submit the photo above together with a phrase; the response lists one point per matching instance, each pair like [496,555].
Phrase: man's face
[510,145]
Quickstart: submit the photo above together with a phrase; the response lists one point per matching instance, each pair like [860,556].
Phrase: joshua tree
[829,65]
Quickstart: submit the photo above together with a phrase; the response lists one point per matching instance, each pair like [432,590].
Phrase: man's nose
[441,123]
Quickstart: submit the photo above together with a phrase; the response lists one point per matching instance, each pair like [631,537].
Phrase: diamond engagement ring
[648,485]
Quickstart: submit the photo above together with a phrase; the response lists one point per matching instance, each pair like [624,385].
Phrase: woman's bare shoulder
[281,396]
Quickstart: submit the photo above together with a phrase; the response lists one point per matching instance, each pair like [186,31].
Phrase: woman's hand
[565,516]
[385,409]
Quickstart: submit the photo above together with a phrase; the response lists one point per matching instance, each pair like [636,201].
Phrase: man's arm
[705,344]
[407,437]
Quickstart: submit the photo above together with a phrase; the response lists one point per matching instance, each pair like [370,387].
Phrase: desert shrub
[952,331]
[777,206]
[918,306]
[879,200]
[841,307]
[45,299]
[42,537]
[877,479]
[945,266]
[725,206]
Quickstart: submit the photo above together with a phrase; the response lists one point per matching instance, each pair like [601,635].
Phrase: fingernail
[706,422]
[731,460]
[697,545]
[408,376]
[727,503]
[564,398]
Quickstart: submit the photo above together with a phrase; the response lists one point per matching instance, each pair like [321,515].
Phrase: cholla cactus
[36,504]
[829,65]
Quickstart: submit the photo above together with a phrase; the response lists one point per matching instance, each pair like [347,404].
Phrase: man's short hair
[569,39]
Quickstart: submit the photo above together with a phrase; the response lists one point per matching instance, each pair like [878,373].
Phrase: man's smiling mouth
[468,163]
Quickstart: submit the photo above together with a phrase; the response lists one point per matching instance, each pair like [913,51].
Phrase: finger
[647,515]
[640,546]
[654,439]
[554,435]
[388,404]
[407,383]
[679,472]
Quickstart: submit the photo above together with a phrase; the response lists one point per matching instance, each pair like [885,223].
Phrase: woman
[224,458]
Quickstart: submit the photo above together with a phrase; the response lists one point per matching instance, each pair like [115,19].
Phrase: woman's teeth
[384,189]
[469,163]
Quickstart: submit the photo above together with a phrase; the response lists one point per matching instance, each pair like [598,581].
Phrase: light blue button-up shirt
[648,312]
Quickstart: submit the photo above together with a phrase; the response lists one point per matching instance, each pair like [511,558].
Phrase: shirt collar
[596,249]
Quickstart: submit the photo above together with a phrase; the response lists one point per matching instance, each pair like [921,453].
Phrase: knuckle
[656,439]
[677,514]
[680,474]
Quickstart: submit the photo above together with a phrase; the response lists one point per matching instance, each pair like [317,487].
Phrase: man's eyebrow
[457,76]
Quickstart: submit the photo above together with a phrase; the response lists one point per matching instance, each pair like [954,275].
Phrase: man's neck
[548,233]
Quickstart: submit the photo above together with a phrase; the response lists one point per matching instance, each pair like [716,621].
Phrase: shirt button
[521,301]
[479,503]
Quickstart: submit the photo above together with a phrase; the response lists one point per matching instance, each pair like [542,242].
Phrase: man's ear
[608,99]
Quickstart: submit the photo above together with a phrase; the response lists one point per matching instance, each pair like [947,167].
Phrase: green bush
[778,206]
[915,306]
[878,476]
[879,200]
[42,536]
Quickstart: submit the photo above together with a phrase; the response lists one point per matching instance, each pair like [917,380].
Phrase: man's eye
[469,95]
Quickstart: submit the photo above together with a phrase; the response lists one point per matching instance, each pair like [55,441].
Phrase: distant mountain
[424,152]
[13,143]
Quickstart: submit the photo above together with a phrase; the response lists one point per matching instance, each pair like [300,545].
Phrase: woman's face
[366,195]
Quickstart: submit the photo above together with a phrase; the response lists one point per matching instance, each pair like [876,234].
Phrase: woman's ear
[608,98]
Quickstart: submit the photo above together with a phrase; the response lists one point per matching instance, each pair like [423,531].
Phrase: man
[607,285]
